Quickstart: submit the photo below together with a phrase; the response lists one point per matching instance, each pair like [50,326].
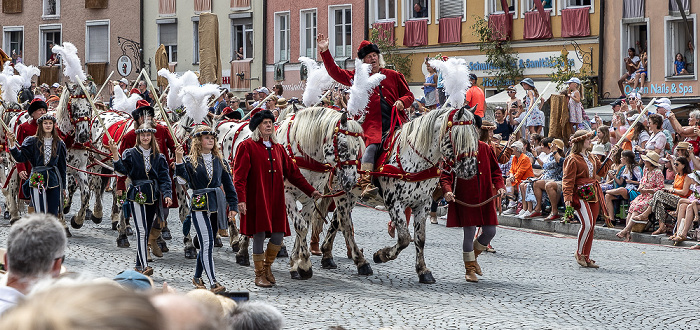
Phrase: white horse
[13,116]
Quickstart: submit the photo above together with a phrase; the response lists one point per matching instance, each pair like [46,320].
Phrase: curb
[600,232]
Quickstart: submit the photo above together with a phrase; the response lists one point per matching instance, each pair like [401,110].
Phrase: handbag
[587,192]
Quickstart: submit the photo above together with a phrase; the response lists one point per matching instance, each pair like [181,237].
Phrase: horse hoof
[114,225]
[66,209]
[95,219]
[6,215]
[88,214]
[243,260]
[217,242]
[306,274]
[376,258]
[295,275]
[328,263]
[165,233]
[68,234]
[283,252]
[75,224]
[235,247]
[163,246]
[365,270]
[190,253]
[426,278]
[123,241]
[129,231]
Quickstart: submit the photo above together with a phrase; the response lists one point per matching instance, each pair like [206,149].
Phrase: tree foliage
[501,59]
[394,60]
[564,70]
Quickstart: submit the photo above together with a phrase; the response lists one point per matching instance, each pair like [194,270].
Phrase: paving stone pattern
[532,282]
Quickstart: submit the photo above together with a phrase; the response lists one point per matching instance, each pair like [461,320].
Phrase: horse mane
[290,109]
[314,127]
[465,138]
[420,131]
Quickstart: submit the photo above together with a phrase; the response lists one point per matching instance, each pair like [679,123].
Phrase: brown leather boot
[314,246]
[155,248]
[260,278]
[270,255]
[469,262]
[478,248]
[365,182]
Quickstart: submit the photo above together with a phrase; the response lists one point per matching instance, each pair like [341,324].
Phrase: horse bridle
[448,130]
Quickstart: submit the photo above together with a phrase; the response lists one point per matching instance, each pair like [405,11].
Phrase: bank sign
[538,63]
[667,88]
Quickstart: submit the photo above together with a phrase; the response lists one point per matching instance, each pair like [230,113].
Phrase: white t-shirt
[9,297]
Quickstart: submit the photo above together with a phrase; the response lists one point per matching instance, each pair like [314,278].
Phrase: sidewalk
[601,232]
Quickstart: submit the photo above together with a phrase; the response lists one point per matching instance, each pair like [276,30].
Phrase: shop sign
[538,63]
[671,89]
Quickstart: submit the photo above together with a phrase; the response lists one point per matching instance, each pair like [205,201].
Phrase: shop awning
[605,111]
[502,97]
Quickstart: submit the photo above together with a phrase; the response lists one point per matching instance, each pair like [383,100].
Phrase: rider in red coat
[36,109]
[386,103]
[260,168]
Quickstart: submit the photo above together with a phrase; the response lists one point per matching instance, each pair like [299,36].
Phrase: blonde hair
[196,149]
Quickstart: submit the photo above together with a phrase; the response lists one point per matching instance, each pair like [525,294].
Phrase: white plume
[122,102]
[71,61]
[455,79]
[317,80]
[176,83]
[11,83]
[196,99]
[362,87]
[27,73]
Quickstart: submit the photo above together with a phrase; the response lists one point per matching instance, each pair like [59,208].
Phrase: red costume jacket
[258,175]
[394,87]
[23,131]
[165,144]
[474,191]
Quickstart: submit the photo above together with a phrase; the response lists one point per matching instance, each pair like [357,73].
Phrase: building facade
[659,30]
[292,27]
[103,35]
[175,24]
[424,28]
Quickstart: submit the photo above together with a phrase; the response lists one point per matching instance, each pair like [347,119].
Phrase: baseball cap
[472,76]
[663,100]
[55,85]
[134,280]
[616,103]
[124,81]
[263,90]
[664,105]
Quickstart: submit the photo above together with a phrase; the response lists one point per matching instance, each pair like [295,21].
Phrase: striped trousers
[47,201]
[202,222]
[144,215]
[587,214]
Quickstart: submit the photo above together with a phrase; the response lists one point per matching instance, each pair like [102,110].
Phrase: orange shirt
[627,145]
[475,96]
[521,168]
[678,182]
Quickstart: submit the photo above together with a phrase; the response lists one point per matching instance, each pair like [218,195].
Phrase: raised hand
[322,42]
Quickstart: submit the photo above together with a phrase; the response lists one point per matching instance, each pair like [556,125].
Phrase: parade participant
[474,191]
[260,168]
[150,182]
[46,153]
[475,97]
[36,109]
[582,191]
[206,172]
[387,103]
[145,113]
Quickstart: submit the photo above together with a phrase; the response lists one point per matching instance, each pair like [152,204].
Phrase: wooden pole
[103,84]
[522,122]
[94,109]
[160,106]
[259,105]
[321,100]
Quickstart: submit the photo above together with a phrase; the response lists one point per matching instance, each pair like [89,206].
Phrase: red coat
[394,87]
[259,182]
[165,144]
[23,131]
[475,191]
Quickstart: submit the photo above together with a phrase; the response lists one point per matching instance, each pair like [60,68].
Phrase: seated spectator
[631,65]
[520,168]
[35,251]
[626,180]
[603,137]
[641,73]
[668,198]
[618,126]
[82,307]
[552,162]
[689,133]
[679,65]
[687,209]
[256,315]
[637,138]
[657,139]
[652,180]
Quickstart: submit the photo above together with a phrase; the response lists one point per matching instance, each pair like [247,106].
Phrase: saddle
[116,131]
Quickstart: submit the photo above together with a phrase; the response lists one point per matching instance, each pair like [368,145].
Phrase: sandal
[659,231]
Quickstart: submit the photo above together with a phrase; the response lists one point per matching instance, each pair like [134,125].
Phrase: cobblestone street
[532,282]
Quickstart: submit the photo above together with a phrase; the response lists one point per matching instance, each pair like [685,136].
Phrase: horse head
[459,142]
[80,112]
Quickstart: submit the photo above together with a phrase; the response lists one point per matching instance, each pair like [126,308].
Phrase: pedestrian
[475,97]
[46,153]
[36,109]
[474,191]
[260,168]
[150,182]
[206,172]
[582,192]
[430,86]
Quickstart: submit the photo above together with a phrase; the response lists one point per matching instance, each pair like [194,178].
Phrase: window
[195,41]
[577,4]
[242,39]
[340,31]
[308,34]
[167,36]
[282,37]
[13,41]
[50,36]
[495,7]
[97,45]
[450,8]
[417,9]
[677,42]
[634,36]
[529,5]
[385,10]
[52,9]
